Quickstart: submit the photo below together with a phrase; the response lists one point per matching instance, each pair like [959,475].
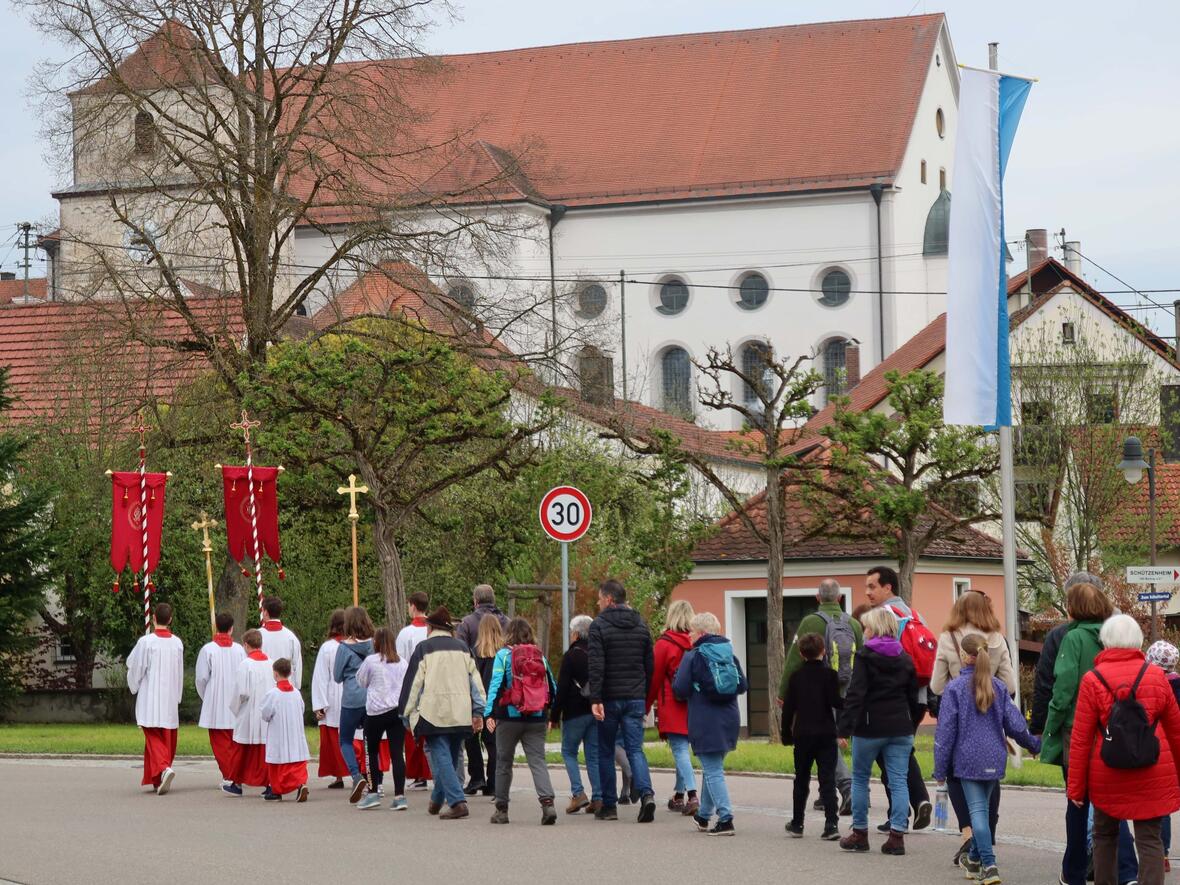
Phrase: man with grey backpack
[843,640]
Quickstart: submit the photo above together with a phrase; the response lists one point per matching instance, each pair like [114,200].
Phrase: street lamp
[1132,467]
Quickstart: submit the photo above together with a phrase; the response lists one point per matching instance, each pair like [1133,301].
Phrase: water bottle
[941,810]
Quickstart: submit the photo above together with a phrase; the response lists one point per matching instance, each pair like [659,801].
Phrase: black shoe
[647,809]
[922,816]
[702,824]
[846,804]
[831,833]
[488,791]
[337,784]
[818,805]
[607,812]
[722,828]
[795,830]
[473,787]
[884,828]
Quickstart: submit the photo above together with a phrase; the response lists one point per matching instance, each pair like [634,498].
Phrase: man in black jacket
[483,600]
[621,664]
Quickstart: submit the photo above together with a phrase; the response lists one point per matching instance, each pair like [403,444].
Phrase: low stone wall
[89,705]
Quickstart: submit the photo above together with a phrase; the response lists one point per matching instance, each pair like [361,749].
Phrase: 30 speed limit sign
[565,513]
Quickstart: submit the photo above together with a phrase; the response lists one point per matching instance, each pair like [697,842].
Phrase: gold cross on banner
[203,526]
[352,490]
[245,425]
[141,428]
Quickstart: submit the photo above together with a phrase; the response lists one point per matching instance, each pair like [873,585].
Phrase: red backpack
[918,642]
[529,690]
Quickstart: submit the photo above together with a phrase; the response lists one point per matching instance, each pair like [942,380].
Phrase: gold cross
[203,526]
[245,424]
[141,428]
[352,490]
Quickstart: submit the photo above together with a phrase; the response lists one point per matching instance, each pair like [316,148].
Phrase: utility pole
[25,244]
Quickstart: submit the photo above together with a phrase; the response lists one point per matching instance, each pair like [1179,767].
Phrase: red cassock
[331,759]
[286,777]
[417,766]
[251,768]
[159,749]
[224,751]
[362,757]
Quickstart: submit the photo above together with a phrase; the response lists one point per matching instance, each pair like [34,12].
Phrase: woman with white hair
[671,712]
[1124,774]
[571,710]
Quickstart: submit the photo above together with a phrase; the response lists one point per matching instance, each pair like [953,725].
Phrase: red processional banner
[128,502]
[239,523]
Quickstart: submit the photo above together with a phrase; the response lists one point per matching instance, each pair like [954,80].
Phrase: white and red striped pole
[143,521]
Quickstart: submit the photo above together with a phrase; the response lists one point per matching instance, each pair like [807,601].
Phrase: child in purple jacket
[975,716]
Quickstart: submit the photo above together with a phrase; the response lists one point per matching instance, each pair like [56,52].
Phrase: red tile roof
[799,107]
[173,56]
[10,289]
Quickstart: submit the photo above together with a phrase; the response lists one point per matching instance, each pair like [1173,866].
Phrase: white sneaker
[165,781]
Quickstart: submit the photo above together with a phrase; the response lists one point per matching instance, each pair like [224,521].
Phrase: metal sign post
[565,596]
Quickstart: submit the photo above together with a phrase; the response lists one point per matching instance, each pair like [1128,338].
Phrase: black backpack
[1128,739]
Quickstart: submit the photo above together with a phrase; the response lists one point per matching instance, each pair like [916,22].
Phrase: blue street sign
[1156,596]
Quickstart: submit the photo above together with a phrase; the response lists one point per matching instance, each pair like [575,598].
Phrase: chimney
[1036,241]
[851,366]
[1073,257]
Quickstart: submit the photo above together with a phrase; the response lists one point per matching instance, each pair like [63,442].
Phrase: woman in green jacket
[1087,607]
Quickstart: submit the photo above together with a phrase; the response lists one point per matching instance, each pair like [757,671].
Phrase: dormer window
[145,134]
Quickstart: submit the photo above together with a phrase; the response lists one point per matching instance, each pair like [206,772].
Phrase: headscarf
[1164,655]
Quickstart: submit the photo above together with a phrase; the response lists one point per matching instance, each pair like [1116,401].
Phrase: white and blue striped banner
[978,372]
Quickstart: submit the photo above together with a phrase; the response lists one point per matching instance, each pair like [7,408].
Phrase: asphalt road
[88,821]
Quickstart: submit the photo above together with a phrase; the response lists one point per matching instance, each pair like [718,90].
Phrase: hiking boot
[722,828]
[455,812]
[577,803]
[795,830]
[337,784]
[831,833]
[856,840]
[593,807]
[647,809]
[702,823]
[971,868]
[548,813]
[895,844]
[922,816]
[434,807]
[301,793]
[607,812]
[676,803]
[990,876]
[691,806]
[500,815]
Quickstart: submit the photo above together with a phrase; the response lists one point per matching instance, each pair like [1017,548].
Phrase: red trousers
[159,749]
[286,777]
[222,742]
[417,766]
[251,768]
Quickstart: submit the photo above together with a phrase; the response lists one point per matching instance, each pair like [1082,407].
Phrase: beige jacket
[947,663]
[442,691]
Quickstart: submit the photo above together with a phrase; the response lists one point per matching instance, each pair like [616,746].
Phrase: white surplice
[255,679]
[217,677]
[286,741]
[408,639]
[282,643]
[326,692]
[155,675]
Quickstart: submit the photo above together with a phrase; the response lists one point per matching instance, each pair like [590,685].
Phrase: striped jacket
[442,691]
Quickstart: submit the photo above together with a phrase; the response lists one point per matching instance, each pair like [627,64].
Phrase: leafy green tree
[22,555]
[902,472]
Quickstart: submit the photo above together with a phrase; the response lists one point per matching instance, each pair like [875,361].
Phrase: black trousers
[918,791]
[475,766]
[954,791]
[822,751]
[377,728]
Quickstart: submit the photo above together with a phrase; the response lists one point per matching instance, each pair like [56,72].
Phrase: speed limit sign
[565,513]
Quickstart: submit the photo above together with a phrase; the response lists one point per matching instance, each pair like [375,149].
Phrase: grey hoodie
[349,658]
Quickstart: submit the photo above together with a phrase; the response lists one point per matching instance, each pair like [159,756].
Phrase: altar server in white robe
[254,680]
[286,741]
[278,641]
[417,765]
[216,677]
[325,702]
[155,675]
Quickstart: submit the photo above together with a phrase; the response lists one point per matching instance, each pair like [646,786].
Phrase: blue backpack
[723,670]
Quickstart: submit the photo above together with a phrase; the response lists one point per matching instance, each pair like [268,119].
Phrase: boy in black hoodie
[813,691]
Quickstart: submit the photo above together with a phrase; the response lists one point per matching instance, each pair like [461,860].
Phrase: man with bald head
[829,612]
[483,600]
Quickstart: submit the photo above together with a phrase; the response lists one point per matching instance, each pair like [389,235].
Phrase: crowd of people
[418,702]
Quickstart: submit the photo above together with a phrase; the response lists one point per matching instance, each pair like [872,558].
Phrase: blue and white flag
[978,371]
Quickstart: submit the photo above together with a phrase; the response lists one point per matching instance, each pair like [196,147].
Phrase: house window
[756,357]
[835,288]
[463,294]
[938,223]
[1068,333]
[834,352]
[752,291]
[676,375]
[145,134]
[923,167]
[961,585]
[1101,407]
[65,651]
[673,297]
[940,123]
[591,301]
[595,376]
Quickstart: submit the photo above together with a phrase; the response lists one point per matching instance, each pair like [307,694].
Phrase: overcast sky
[1096,152]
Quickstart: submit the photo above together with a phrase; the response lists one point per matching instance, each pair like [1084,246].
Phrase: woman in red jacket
[1142,795]
[672,713]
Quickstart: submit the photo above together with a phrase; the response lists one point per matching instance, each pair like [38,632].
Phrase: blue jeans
[979,799]
[896,753]
[625,717]
[446,755]
[581,731]
[714,792]
[685,777]
[351,718]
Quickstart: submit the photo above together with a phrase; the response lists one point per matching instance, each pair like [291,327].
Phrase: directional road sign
[1152,574]
[1155,596]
